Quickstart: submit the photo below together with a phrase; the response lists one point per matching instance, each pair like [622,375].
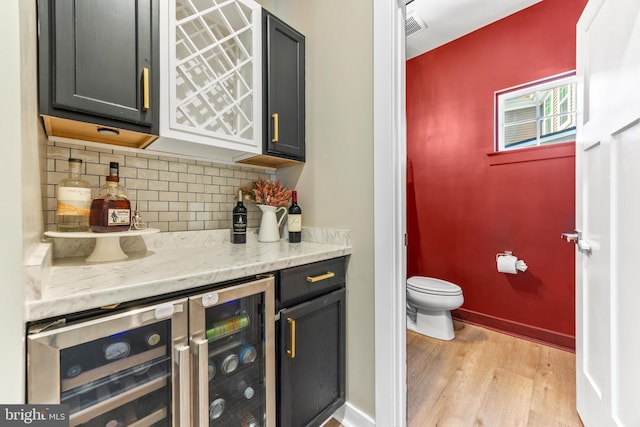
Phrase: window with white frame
[538,113]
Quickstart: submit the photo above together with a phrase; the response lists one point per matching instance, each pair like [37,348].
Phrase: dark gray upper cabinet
[99,62]
[284,99]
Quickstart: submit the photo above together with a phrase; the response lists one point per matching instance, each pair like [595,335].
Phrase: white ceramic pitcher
[269,224]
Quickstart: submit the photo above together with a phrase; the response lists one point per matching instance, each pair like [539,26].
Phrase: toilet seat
[432,286]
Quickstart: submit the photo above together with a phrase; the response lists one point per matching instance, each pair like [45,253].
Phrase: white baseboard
[349,416]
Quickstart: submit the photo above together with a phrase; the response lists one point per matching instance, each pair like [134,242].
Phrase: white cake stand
[107,244]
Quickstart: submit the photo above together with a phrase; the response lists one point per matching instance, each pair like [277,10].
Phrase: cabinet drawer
[298,284]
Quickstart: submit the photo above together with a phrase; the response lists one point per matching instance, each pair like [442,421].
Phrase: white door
[608,214]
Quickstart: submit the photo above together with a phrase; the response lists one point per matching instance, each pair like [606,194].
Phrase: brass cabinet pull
[145,88]
[327,275]
[274,116]
[292,348]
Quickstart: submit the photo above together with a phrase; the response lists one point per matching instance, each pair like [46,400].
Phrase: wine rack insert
[215,71]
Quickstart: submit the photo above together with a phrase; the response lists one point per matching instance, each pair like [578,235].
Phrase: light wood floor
[485,378]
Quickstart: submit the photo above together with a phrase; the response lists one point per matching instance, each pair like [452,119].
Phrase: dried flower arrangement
[267,192]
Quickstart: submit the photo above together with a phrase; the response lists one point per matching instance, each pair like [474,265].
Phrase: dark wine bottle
[217,407]
[240,388]
[294,219]
[239,230]
[247,354]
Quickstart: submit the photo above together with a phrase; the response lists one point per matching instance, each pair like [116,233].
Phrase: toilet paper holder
[498,255]
[513,266]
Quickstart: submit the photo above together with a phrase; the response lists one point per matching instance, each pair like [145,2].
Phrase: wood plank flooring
[485,378]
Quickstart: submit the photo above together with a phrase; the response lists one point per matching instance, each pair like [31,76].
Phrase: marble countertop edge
[74,286]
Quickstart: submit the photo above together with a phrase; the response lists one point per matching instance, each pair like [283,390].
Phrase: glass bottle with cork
[74,200]
[111,210]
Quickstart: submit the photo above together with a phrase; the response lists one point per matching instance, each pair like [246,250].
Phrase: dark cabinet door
[284,100]
[311,360]
[99,62]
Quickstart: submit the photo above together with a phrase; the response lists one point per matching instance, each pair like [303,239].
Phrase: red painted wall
[464,205]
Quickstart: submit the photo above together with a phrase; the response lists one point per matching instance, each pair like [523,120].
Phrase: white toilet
[429,305]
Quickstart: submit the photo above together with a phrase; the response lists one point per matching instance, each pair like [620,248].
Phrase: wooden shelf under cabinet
[65,128]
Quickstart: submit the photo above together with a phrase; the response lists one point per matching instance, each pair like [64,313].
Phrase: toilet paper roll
[520,265]
[507,264]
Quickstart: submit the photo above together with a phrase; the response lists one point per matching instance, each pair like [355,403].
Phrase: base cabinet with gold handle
[310,350]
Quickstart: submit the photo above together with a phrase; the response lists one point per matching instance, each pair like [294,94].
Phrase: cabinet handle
[292,348]
[145,88]
[327,275]
[202,357]
[183,373]
[274,116]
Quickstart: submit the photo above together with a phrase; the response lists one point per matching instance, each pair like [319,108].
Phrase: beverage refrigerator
[205,359]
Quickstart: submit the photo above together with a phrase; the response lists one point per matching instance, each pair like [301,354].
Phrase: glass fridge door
[115,370]
[233,345]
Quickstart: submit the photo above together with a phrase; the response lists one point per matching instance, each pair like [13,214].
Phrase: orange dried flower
[268,192]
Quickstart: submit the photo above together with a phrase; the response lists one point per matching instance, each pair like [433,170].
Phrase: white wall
[20,174]
[335,186]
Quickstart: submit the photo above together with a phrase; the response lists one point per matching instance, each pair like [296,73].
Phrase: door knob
[576,237]
[571,237]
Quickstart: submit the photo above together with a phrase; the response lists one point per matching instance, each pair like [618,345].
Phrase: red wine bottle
[239,231]
[294,219]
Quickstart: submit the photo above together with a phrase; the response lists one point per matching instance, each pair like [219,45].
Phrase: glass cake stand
[107,246]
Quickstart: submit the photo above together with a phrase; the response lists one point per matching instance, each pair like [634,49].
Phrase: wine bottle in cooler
[217,407]
[239,227]
[240,388]
[294,219]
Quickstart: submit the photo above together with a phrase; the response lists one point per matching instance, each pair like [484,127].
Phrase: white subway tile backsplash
[161,165]
[195,188]
[177,167]
[158,207]
[172,193]
[195,169]
[171,196]
[186,177]
[226,172]
[178,226]
[159,185]
[186,197]
[136,162]
[148,174]
[168,216]
[168,176]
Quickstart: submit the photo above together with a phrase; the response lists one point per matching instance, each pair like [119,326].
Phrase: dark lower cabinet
[284,91]
[311,343]
[99,63]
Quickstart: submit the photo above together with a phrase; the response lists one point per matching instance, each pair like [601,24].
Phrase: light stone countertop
[163,263]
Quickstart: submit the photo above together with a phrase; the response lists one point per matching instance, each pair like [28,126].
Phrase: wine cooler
[205,359]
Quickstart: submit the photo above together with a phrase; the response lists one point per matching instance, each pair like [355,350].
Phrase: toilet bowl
[429,305]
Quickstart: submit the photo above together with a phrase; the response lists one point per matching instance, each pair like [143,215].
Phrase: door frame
[389,212]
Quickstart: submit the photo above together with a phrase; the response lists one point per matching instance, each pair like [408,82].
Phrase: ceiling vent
[413,24]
